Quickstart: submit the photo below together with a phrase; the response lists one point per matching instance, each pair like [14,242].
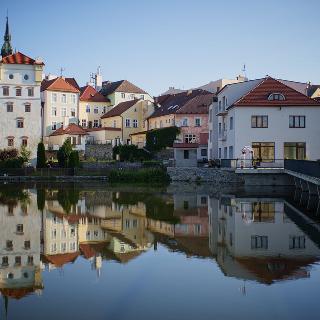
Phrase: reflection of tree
[156,206]
[41,198]
[11,196]
[67,198]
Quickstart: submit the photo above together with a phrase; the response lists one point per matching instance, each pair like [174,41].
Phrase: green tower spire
[6,47]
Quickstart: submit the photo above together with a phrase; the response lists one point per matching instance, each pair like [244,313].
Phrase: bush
[130,153]
[8,154]
[41,156]
[25,154]
[159,139]
[12,163]
[152,163]
[74,161]
[63,154]
[141,175]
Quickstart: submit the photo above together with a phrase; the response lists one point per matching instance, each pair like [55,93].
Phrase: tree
[25,154]
[41,156]
[74,161]
[64,154]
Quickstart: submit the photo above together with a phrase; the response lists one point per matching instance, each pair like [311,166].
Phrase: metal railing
[250,163]
[307,167]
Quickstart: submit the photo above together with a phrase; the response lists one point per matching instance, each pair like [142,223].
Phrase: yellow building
[129,116]
[92,106]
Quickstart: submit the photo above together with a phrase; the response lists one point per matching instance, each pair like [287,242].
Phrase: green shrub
[74,161]
[159,139]
[12,163]
[152,163]
[139,175]
[64,154]
[8,154]
[41,156]
[130,153]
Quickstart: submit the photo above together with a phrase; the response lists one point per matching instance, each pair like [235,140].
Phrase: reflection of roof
[123,238]
[125,257]
[17,293]
[90,250]
[270,270]
[60,259]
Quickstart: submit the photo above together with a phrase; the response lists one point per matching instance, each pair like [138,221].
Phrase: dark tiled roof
[19,58]
[59,84]
[90,94]
[72,128]
[197,105]
[120,86]
[73,82]
[258,96]
[170,104]
[120,108]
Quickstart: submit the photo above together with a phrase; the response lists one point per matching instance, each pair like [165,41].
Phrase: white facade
[231,129]
[20,112]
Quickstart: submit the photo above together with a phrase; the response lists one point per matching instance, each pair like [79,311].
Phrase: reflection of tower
[243,288]
[4,313]
[98,265]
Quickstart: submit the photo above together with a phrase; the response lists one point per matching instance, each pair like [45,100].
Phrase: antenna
[61,71]
[244,70]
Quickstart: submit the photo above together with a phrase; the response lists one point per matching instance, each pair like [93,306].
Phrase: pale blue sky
[157,44]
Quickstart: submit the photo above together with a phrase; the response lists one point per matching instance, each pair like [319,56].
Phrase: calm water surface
[175,252]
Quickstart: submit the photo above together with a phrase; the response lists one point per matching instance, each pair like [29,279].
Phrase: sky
[160,43]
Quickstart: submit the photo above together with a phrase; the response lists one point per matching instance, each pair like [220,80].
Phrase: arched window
[276,96]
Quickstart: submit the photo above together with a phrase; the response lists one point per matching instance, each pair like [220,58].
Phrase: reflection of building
[20,226]
[254,239]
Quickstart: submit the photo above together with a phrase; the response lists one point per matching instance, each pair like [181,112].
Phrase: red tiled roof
[60,259]
[186,145]
[89,250]
[204,136]
[103,128]
[197,105]
[120,108]
[72,129]
[59,84]
[120,86]
[89,93]
[170,104]
[73,82]
[19,58]
[258,96]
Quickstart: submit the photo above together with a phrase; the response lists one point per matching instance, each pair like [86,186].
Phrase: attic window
[276,96]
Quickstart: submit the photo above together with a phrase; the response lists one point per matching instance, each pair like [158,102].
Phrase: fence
[251,163]
[310,168]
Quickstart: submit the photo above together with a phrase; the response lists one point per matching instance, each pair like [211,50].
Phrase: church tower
[6,49]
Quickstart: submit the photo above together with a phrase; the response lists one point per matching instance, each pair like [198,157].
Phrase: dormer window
[276,96]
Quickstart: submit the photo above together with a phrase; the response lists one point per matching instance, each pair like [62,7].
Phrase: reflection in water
[264,239]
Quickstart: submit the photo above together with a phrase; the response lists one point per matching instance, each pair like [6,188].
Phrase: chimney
[189,92]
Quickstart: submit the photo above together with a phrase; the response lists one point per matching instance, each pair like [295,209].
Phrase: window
[276,96]
[9,107]
[73,98]
[30,92]
[63,247]
[54,247]
[72,246]
[204,152]
[19,228]
[9,245]
[190,138]
[142,97]
[219,153]
[297,242]
[64,98]
[131,96]
[88,109]
[259,121]
[297,121]
[54,125]
[72,232]
[5,91]
[30,260]
[5,261]
[27,107]
[20,123]
[96,110]
[25,77]
[259,242]
[295,150]
[24,142]
[220,105]
[197,122]
[197,229]
[18,92]
[231,152]
[10,142]
[27,245]
[225,152]
[263,211]
[263,151]
[73,112]
[54,97]
[219,128]
[64,112]
[17,260]
[95,123]
[123,95]
[203,200]
[11,76]
[114,123]
[84,123]
[231,123]
[135,123]
[104,109]
[54,111]
[185,154]
[184,122]
[128,124]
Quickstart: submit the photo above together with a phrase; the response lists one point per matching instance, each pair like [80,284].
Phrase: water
[177,252]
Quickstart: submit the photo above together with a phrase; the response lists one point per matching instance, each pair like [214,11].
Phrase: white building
[270,116]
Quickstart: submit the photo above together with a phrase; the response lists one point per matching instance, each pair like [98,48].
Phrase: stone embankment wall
[99,151]
[192,174]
